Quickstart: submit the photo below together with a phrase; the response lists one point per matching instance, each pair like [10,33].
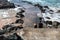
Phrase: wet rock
[43,10]
[51,10]
[46,7]
[18,27]
[19,21]
[55,24]
[49,22]
[6,4]
[20,15]
[48,17]
[2,37]
[15,28]
[22,11]
[58,11]
[2,32]
[3,1]
[18,37]
[7,26]
[14,36]
[39,6]
[40,18]
[10,28]
[58,23]
[49,26]
[40,25]
[27,2]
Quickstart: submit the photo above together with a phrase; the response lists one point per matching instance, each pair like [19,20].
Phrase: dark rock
[2,37]
[40,18]
[27,2]
[58,11]
[38,5]
[22,11]
[18,37]
[6,4]
[19,21]
[18,5]
[51,10]
[7,26]
[20,15]
[10,28]
[40,25]
[14,37]
[41,7]
[15,28]
[5,29]
[49,22]
[2,32]
[3,0]
[43,10]
[48,17]
[46,7]
[12,23]
[57,23]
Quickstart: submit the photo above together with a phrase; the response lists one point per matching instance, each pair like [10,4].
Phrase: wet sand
[30,14]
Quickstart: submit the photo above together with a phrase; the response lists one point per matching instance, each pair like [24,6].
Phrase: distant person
[35,25]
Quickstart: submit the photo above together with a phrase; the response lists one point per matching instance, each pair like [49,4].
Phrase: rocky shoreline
[25,22]
[5,4]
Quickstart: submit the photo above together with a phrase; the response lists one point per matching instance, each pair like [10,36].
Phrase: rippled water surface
[54,3]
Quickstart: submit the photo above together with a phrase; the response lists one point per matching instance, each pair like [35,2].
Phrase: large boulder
[6,4]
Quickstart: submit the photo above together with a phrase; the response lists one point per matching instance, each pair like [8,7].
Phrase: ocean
[52,3]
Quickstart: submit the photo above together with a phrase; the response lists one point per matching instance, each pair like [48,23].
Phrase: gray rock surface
[6,4]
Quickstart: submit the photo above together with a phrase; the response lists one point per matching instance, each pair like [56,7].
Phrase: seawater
[53,3]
